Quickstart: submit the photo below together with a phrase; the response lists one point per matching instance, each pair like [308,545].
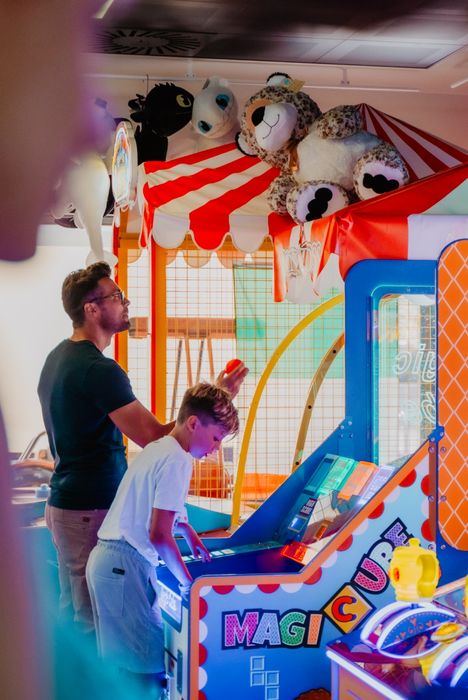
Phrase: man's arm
[162,537]
[139,424]
[232,382]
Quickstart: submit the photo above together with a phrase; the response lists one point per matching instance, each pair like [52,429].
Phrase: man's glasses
[118,294]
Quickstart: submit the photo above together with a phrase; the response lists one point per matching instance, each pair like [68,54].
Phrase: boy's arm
[162,537]
[197,547]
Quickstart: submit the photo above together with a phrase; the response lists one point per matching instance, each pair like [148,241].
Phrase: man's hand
[232,382]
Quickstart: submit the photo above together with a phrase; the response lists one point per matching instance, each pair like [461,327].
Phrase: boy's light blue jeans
[127,616]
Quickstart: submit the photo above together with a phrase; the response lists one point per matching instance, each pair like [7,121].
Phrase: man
[87,403]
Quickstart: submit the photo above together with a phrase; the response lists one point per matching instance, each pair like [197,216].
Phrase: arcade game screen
[334,494]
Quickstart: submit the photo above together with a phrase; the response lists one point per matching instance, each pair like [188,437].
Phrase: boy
[146,514]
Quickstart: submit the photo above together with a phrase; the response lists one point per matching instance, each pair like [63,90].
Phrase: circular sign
[124,166]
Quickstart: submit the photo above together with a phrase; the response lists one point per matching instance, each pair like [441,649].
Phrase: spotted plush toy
[326,160]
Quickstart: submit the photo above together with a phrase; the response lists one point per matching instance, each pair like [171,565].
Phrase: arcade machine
[422,639]
[312,561]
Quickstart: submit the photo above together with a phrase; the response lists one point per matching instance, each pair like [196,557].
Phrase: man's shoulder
[102,367]
[59,349]
[54,359]
[75,350]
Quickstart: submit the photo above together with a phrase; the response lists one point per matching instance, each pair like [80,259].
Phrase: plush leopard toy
[326,160]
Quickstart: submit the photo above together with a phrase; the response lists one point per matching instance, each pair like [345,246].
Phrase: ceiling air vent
[147,42]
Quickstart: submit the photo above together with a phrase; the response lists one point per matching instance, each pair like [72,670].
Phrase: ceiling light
[459,82]
[103,9]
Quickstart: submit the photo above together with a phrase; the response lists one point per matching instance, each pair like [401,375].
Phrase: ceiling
[397,34]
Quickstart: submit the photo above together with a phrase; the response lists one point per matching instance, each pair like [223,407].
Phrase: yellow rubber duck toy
[414,572]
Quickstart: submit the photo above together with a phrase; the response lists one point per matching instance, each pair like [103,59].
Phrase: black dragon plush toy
[165,110]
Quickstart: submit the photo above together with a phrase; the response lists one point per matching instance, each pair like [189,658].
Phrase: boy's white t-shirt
[159,477]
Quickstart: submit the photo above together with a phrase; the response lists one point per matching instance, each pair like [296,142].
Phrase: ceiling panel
[444,29]
[390,54]
[400,34]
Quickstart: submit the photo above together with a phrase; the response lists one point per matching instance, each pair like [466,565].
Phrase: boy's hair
[80,286]
[210,403]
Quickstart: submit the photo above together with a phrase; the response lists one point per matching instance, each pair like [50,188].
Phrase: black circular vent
[147,42]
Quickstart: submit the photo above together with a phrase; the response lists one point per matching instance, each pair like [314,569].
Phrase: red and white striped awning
[220,192]
[423,153]
[209,194]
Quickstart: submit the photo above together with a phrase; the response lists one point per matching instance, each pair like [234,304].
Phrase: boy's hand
[197,547]
[232,382]
[202,553]
[185,590]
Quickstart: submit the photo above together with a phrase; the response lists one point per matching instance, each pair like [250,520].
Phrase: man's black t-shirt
[78,388]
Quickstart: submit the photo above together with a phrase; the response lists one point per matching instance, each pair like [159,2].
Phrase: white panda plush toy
[214,115]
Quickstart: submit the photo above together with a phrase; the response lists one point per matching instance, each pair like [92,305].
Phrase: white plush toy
[214,115]
[326,160]
[85,188]
[83,192]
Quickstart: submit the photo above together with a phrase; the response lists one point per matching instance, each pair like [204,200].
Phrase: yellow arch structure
[314,388]
[271,364]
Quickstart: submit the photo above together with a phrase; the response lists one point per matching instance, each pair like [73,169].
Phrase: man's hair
[210,403]
[79,287]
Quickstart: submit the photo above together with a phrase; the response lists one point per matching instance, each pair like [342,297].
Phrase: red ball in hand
[231,365]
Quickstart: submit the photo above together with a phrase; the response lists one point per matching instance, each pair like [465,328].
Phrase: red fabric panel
[351,231]
[367,237]
[416,197]
[279,228]
[377,228]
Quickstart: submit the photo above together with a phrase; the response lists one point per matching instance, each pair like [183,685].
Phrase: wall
[33,321]
[430,103]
